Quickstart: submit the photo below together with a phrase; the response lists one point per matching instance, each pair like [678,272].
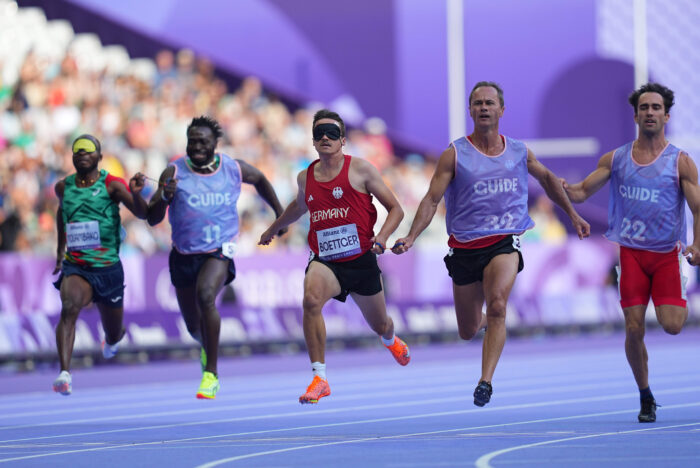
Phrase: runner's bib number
[338,242]
[82,236]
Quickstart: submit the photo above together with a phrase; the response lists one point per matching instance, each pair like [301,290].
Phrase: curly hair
[665,93]
[206,121]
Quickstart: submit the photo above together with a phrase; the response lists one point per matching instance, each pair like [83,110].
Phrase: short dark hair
[665,93]
[327,114]
[206,121]
[492,84]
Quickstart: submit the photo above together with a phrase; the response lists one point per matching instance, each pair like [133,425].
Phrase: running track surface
[559,402]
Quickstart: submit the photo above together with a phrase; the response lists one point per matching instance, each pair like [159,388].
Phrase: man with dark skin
[201,190]
[89,226]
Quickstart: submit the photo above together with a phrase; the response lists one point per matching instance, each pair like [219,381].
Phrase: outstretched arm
[376,186]
[290,214]
[688,175]
[443,175]
[555,191]
[578,193]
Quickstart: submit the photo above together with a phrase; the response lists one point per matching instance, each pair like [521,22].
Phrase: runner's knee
[206,297]
[496,308]
[467,333]
[313,301]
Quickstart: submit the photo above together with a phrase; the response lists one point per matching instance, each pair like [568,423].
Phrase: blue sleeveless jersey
[647,207]
[488,194]
[203,213]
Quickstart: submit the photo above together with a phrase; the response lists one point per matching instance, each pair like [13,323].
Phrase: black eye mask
[332,131]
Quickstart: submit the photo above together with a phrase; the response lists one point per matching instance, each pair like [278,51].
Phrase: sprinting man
[650,181]
[337,190]
[483,178]
[87,256]
[201,190]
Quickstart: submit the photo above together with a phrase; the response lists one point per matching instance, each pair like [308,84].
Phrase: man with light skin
[337,190]
[483,178]
[650,180]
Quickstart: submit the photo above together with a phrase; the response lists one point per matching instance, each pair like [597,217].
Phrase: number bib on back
[82,236]
[338,242]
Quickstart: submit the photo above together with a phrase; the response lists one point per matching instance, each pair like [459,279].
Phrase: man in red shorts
[650,180]
[337,191]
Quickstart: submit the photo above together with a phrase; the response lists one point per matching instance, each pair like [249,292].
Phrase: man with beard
[650,181]
[202,189]
[89,226]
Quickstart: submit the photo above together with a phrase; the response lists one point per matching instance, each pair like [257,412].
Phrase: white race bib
[228,249]
[82,236]
[338,242]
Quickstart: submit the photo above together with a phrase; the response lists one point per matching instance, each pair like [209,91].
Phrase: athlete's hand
[583,229]
[169,189]
[402,245]
[137,182]
[267,236]
[378,245]
[692,254]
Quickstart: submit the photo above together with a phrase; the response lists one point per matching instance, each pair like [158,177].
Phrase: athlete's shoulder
[109,178]
[515,144]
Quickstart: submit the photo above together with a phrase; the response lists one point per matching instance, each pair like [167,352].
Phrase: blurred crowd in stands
[140,114]
[141,123]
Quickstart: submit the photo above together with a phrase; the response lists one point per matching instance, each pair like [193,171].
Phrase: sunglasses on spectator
[332,131]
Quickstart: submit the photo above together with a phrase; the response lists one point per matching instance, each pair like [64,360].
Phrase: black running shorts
[466,266]
[185,268]
[361,275]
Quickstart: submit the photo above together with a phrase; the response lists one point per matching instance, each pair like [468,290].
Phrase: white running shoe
[63,383]
[109,351]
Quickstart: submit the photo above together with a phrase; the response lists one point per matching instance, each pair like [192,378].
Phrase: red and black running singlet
[342,219]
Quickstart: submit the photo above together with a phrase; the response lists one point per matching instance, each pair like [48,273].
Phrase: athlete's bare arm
[375,185]
[167,184]
[443,175]
[131,198]
[578,193]
[555,191]
[290,214]
[60,228]
[252,175]
[688,175]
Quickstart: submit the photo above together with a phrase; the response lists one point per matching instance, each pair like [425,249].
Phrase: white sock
[390,341]
[319,368]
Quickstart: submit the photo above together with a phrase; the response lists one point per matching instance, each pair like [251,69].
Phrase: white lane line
[390,394]
[416,434]
[368,421]
[485,460]
[351,409]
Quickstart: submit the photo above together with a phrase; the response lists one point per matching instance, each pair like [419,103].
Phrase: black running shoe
[482,393]
[648,411]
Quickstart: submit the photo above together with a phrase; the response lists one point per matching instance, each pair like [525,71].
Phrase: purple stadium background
[385,58]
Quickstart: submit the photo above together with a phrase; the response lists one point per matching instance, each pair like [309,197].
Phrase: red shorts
[643,273]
